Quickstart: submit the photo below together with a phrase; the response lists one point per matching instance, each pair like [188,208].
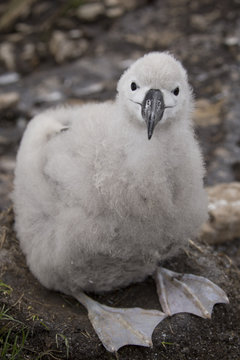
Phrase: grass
[13,335]
[63,337]
[13,344]
[5,289]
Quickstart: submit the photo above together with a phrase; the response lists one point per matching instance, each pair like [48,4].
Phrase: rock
[63,48]
[13,11]
[48,97]
[75,33]
[88,90]
[131,4]
[7,55]
[151,39]
[8,164]
[8,100]
[124,4]
[198,22]
[29,56]
[24,28]
[207,113]
[224,214]
[201,22]
[9,78]
[90,11]
[49,91]
[29,52]
[111,3]
[231,41]
[113,12]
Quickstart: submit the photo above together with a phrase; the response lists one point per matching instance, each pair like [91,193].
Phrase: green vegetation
[65,342]
[13,333]
[5,289]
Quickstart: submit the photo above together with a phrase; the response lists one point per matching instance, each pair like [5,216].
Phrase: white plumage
[97,204]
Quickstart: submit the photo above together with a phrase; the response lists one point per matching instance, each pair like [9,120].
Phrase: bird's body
[102,199]
[99,206]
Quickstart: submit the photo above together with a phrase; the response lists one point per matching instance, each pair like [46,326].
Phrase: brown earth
[50,315]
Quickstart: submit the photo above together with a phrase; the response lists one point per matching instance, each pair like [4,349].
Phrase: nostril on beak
[152,109]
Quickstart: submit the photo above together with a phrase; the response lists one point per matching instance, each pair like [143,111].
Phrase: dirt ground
[50,315]
[54,53]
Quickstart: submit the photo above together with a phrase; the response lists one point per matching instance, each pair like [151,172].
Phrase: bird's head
[155,90]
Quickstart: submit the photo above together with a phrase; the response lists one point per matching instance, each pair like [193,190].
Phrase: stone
[88,90]
[48,97]
[207,113]
[63,48]
[231,41]
[49,91]
[9,78]
[75,33]
[151,39]
[201,22]
[90,11]
[224,214]
[198,22]
[111,3]
[24,28]
[29,53]
[114,12]
[7,55]
[131,4]
[8,100]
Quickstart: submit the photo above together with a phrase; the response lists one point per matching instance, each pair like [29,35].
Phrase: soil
[50,315]
[204,35]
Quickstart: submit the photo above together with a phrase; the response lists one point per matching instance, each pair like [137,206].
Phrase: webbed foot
[117,327]
[187,293]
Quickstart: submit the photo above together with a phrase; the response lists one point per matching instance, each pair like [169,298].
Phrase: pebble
[7,55]
[111,3]
[131,4]
[24,28]
[53,96]
[29,52]
[231,41]
[201,22]
[114,12]
[90,11]
[7,164]
[75,33]
[63,48]
[8,100]
[224,214]
[207,113]
[9,78]
[88,90]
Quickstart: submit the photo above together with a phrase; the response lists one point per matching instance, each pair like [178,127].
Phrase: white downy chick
[105,192]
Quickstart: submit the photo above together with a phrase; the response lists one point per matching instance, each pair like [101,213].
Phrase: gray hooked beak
[152,109]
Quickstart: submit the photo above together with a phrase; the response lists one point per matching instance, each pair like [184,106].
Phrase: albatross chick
[104,192]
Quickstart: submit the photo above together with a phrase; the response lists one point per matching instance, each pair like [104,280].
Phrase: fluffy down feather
[97,204]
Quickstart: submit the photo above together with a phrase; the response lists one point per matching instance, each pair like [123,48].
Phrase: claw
[187,293]
[117,327]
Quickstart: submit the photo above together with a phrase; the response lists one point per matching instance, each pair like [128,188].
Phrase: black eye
[133,86]
[176,91]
